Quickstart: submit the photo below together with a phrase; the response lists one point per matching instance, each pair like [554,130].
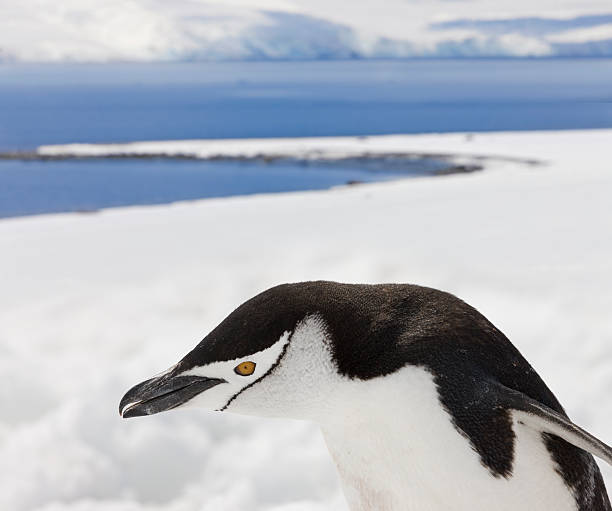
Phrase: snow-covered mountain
[145,30]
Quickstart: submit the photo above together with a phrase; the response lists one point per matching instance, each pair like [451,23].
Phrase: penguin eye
[245,368]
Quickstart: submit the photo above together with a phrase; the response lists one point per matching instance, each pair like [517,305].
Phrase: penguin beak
[163,393]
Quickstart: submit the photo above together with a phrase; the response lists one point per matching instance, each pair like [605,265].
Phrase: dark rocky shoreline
[397,162]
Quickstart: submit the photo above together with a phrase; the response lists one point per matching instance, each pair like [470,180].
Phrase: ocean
[64,103]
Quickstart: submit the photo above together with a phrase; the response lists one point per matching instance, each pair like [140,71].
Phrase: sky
[150,30]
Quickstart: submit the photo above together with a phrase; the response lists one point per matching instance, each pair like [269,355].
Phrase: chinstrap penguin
[423,403]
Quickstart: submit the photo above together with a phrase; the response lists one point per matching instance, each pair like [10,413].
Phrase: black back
[377,329]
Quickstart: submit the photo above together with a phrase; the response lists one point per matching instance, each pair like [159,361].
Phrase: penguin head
[271,357]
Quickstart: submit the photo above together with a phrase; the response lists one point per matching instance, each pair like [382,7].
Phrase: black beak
[163,393]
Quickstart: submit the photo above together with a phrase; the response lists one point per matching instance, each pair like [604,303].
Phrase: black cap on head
[254,326]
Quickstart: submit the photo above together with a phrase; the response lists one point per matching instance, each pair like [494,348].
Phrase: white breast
[396,449]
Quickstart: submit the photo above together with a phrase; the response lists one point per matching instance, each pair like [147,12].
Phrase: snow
[149,30]
[455,144]
[93,303]
[582,35]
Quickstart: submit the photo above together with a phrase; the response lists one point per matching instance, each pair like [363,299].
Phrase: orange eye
[245,368]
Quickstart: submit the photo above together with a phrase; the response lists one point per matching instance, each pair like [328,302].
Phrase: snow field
[93,303]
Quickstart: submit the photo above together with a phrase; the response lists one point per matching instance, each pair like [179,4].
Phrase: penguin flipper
[545,420]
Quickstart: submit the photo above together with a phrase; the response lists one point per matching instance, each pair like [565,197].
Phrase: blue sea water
[63,103]
[35,187]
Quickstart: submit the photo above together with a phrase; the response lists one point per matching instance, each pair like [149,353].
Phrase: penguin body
[423,403]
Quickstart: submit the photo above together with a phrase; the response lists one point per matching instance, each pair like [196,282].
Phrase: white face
[288,379]
[238,373]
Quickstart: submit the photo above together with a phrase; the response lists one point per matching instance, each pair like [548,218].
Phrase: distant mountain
[149,30]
